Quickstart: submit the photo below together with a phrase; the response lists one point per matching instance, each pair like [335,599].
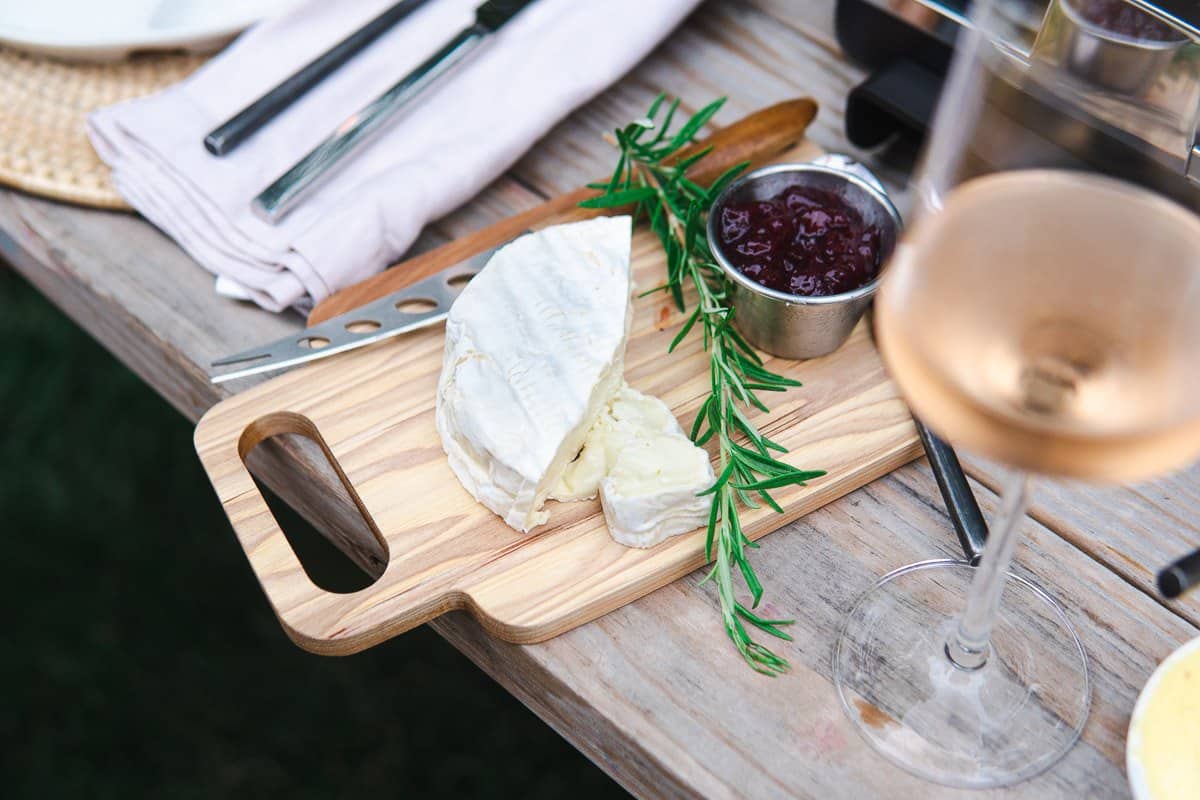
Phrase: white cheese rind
[651,493]
[646,470]
[535,351]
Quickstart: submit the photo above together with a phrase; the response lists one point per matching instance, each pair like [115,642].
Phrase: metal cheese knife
[290,188]
[420,305]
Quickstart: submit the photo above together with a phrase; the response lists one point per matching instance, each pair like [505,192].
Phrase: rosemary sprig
[650,176]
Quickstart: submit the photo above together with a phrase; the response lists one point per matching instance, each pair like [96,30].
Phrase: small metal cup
[789,325]
[1112,60]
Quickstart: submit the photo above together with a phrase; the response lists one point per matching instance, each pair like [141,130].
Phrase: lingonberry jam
[802,241]
[1121,17]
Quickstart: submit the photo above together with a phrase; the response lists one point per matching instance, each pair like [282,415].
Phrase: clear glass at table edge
[1042,311]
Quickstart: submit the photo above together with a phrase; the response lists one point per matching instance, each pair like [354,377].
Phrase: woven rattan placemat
[44,105]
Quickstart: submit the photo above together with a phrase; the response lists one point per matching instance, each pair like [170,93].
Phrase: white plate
[107,30]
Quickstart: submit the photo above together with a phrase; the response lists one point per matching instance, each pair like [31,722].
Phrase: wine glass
[1042,311]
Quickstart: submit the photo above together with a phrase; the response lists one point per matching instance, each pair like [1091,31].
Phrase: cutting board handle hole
[285,450]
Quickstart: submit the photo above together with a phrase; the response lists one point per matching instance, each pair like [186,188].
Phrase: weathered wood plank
[813,20]
[725,732]
[1133,530]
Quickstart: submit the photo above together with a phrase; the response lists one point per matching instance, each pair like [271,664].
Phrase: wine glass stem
[968,646]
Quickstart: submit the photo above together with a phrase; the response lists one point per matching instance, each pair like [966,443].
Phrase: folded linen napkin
[464,132]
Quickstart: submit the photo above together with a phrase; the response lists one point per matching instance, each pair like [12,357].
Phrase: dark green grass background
[138,657]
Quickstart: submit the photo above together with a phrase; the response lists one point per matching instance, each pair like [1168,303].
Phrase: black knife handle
[493,14]
[956,492]
[1181,576]
[250,119]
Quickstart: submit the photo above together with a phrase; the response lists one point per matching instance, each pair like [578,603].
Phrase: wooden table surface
[653,692]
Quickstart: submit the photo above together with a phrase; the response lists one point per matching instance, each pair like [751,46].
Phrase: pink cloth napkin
[464,132]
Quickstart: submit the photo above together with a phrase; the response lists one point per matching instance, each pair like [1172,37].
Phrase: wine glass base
[996,725]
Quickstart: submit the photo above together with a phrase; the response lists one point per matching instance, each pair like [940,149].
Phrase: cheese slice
[535,351]
[646,470]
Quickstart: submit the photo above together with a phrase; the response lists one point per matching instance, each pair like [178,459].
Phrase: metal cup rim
[748,283]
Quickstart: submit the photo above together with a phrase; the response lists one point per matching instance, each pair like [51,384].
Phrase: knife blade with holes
[420,305]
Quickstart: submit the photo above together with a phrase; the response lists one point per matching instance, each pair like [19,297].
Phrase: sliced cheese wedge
[646,470]
[535,350]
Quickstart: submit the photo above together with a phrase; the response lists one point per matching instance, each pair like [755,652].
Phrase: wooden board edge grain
[516,633]
[282,575]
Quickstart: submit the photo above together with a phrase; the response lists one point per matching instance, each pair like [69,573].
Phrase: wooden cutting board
[371,411]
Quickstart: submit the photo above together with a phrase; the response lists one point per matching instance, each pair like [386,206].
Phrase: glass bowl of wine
[1042,311]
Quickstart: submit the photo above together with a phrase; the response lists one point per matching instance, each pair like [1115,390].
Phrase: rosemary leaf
[623,197]
[651,176]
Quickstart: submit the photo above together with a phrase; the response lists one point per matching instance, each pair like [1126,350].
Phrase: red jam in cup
[1123,18]
[802,241]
